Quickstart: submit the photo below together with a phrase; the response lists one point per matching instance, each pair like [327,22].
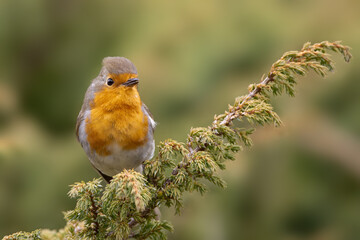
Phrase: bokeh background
[300,181]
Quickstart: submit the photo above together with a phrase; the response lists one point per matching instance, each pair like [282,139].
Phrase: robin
[115,129]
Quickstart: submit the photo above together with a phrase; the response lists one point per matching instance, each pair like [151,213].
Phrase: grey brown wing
[79,120]
[148,113]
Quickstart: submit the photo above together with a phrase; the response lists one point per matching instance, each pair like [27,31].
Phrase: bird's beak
[131,82]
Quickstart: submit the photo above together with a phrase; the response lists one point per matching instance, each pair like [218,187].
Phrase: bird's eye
[109,81]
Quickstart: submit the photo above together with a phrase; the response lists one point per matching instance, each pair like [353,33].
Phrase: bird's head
[118,72]
[116,84]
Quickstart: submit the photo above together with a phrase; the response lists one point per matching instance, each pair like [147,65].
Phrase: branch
[94,212]
[235,112]
[211,146]
[125,207]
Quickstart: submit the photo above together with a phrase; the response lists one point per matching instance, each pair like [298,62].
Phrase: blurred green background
[301,181]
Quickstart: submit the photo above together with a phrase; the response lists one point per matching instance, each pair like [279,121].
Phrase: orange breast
[116,117]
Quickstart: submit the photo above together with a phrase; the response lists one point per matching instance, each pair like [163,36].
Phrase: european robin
[115,129]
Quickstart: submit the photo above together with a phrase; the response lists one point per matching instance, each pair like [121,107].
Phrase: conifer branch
[235,112]
[201,156]
[125,208]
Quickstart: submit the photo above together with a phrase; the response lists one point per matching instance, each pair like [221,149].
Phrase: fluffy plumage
[114,127]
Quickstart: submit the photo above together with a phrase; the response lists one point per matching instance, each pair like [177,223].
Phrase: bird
[114,127]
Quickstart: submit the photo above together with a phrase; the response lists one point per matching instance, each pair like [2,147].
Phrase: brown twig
[235,111]
[94,212]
